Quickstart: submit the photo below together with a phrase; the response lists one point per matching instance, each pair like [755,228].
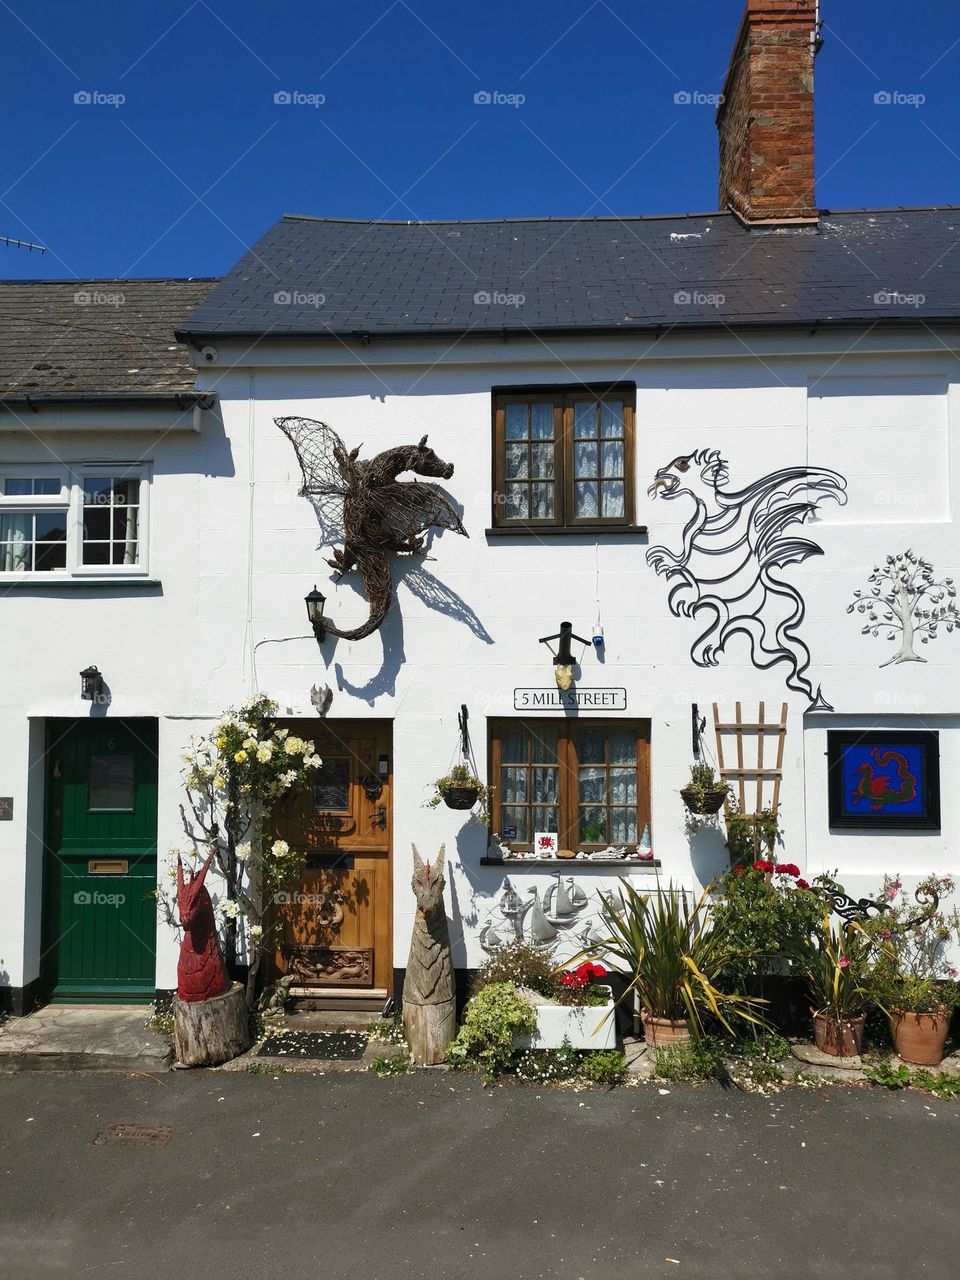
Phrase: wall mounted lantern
[315,602]
[91,685]
[563,660]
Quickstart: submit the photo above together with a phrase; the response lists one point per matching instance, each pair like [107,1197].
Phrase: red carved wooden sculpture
[200,970]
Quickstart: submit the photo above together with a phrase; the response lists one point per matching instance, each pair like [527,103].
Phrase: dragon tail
[377,583]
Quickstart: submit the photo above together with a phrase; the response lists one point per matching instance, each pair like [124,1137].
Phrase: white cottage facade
[704,486]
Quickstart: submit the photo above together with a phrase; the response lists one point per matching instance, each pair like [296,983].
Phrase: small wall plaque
[569,699]
[6,808]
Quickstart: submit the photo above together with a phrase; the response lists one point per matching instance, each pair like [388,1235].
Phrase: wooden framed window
[587,780]
[564,458]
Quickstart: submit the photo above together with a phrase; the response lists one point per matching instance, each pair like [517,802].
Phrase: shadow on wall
[435,595]
[708,852]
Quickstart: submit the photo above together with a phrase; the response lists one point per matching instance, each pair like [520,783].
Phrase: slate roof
[397,278]
[52,343]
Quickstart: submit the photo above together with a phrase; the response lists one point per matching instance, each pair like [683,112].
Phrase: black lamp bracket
[462,717]
[563,657]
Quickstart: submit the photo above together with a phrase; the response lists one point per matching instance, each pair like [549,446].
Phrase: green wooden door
[101,863]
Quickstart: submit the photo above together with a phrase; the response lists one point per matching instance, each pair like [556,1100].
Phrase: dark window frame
[563,399]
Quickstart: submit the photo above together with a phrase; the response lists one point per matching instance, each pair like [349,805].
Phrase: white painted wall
[236,551]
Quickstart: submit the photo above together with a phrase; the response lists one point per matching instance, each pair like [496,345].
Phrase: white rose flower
[312,762]
[280,849]
[264,752]
[280,734]
[256,930]
[293,746]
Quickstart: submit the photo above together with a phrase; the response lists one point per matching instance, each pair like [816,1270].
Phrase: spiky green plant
[674,954]
[835,964]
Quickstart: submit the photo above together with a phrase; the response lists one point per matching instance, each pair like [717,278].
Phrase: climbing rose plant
[234,776]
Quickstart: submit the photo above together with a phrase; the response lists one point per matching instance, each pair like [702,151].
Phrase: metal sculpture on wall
[905,602]
[735,545]
[538,923]
[380,516]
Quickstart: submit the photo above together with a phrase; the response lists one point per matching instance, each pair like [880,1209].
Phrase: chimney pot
[766,116]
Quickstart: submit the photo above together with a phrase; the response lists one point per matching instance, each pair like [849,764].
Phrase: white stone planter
[585,1027]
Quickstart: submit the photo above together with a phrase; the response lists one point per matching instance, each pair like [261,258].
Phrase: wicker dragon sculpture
[380,515]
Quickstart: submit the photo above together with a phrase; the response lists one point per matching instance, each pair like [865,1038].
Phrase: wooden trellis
[747,774]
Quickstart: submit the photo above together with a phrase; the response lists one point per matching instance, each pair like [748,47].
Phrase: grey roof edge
[80,280]
[629,217]
[205,399]
[500,334]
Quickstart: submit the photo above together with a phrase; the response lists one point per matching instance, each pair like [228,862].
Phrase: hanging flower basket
[461,797]
[698,801]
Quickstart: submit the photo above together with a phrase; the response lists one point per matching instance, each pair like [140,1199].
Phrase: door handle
[380,821]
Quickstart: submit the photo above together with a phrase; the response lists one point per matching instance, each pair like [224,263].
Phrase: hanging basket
[460,797]
[704,801]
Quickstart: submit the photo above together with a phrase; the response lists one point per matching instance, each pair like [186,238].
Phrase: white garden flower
[280,848]
[250,744]
[281,734]
[312,762]
[264,752]
[256,930]
[293,746]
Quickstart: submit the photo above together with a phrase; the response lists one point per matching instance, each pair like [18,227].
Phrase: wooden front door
[334,925]
[100,872]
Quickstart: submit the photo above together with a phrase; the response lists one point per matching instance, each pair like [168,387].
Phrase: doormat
[329,1046]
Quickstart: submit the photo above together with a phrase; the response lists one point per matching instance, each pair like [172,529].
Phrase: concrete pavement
[432,1175]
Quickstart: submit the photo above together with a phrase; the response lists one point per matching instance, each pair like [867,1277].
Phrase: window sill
[590,864]
[567,531]
[21,581]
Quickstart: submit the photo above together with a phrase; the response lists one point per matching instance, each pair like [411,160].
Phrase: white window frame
[70,501]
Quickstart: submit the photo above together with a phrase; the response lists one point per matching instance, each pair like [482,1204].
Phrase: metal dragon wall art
[379,515]
[729,570]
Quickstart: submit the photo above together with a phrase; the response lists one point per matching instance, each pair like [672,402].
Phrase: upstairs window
[72,521]
[564,458]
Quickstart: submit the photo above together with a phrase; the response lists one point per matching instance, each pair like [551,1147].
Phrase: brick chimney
[766,117]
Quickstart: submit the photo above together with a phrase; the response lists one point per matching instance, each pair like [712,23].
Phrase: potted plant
[835,964]
[572,1006]
[911,978]
[705,792]
[673,956]
[460,789]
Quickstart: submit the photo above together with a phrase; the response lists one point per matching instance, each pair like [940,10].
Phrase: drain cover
[135,1135]
[345,1046]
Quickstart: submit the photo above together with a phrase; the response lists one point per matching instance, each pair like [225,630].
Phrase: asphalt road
[434,1176]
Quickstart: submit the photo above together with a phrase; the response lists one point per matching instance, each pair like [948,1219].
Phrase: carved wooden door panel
[334,925]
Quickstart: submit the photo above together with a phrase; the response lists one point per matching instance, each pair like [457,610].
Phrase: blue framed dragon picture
[884,779]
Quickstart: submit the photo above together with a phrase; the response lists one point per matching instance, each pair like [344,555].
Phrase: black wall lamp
[563,660]
[91,685]
[315,602]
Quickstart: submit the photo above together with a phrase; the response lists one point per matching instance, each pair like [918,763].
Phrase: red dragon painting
[883,789]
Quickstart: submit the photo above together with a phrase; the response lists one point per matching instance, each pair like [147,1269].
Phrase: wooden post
[208,1032]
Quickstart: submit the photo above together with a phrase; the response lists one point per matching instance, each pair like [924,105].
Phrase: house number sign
[6,808]
[569,699]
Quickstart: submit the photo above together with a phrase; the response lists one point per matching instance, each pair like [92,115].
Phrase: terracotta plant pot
[704,802]
[841,1039]
[661,1031]
[920,1037]
[460,797]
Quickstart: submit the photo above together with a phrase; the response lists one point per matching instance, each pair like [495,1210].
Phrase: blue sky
[199,159]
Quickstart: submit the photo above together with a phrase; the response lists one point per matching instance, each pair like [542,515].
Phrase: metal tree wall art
[380,515]
[729,569]
[904,601]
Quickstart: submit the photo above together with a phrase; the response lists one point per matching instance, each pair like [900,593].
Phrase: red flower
[738,870]
[788,869]
[802,884]
[763,865]
[844,962]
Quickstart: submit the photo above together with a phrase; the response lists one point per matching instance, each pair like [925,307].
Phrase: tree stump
[208,1032]
[429,1028]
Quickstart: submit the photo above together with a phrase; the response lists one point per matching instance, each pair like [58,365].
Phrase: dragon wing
[410,508]
[784,498]
[324,464]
